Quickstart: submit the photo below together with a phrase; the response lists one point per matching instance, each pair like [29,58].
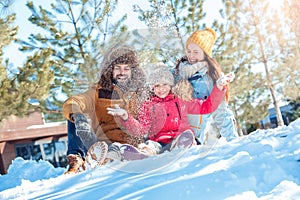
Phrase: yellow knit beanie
[205,39]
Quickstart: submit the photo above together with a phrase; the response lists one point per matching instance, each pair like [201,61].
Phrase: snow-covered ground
[262,165]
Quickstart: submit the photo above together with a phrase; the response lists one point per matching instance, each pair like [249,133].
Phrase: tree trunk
[269,80]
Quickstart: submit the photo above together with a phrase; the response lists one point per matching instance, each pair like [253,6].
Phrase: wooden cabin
[32,139]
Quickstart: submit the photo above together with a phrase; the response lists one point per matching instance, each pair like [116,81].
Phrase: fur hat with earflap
[121,54]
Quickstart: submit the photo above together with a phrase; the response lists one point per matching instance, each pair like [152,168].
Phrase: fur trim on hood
[121,54]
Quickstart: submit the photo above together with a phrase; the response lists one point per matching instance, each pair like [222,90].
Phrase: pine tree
[293,13]
[290,70]
[76,34]
[234,53]
[19,86]
[271,41]
[295,103]
[272,45]
[174,20]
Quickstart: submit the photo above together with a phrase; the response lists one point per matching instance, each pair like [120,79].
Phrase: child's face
[161,90]
[194,53]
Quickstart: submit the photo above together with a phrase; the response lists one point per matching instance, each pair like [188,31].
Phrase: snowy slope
[263,165]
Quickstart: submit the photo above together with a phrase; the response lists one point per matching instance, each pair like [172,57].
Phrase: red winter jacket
[164,119]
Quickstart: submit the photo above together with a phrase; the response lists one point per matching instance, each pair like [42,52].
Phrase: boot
[76,164]
[185,140]
[96,155]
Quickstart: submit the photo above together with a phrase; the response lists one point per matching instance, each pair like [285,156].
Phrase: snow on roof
[46,125]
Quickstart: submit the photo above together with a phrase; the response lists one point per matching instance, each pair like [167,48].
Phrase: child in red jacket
[163,118]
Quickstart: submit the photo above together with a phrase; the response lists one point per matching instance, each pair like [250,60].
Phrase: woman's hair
[214,69]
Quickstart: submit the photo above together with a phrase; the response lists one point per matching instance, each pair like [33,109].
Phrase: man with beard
[121,83]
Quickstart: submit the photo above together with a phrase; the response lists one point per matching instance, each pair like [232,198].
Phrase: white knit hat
[160,74]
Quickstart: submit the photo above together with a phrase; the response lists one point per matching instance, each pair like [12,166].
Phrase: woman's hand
[117,111]
[224,80]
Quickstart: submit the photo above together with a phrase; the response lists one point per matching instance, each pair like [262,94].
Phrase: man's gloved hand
[117,111]
[224,80]
[83,130]
[81,122]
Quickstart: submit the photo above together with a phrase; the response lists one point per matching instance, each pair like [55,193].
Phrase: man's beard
[124,86]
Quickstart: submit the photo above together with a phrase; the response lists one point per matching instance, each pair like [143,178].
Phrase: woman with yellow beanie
[202,71]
